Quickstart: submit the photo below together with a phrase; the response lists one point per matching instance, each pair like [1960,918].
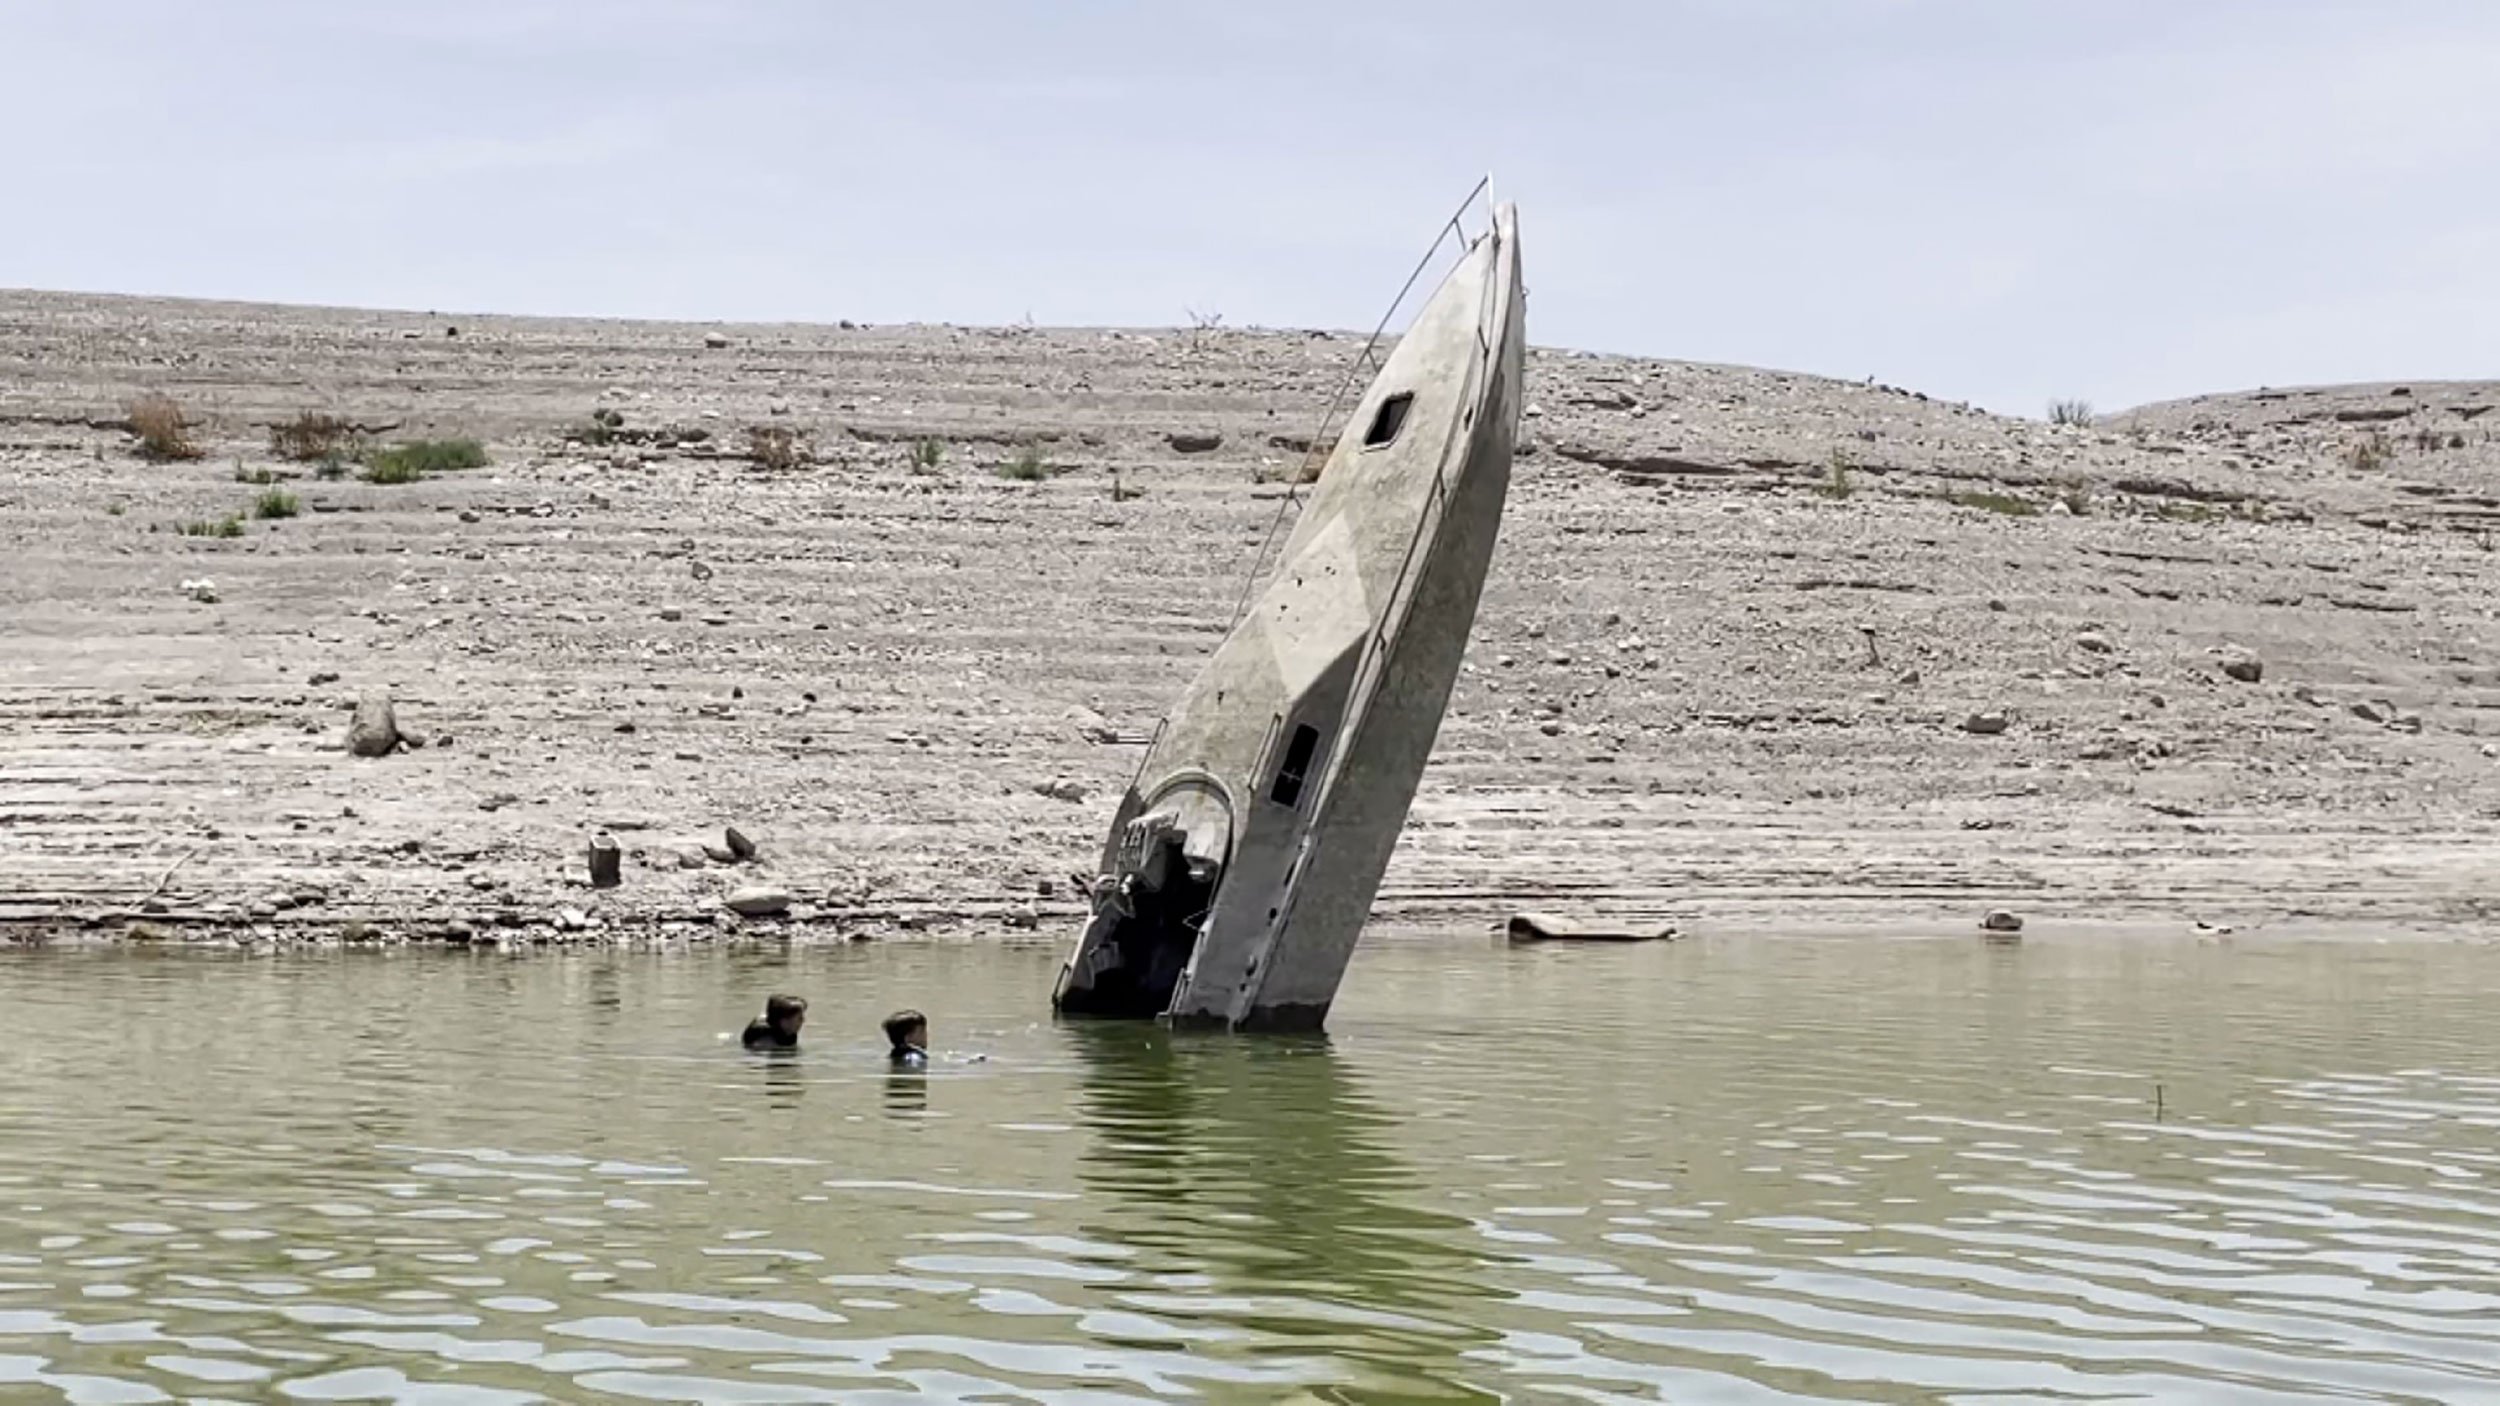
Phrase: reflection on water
[1253,1178]
[1744,1172]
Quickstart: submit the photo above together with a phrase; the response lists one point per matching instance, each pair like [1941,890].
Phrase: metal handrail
[1320,436]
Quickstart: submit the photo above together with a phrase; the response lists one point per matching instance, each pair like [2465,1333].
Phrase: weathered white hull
[1242,865]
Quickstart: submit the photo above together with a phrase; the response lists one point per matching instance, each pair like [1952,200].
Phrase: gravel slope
[1736,630]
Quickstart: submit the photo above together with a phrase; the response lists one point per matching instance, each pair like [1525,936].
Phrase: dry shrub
[312,437]
[162,431]
[776,446]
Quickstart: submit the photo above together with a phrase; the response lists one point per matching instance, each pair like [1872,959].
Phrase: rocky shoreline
[1761,651]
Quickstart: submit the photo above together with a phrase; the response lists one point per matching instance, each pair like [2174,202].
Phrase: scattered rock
[2247,668]
[717,341]
[1024,917]
[740,847]
[1059,788]
[758,901]
[2000,920]
[324,677]
[374,732]
[2374,712]
[607,861]
[202,590]
[2091,642]
[1183,443]
[1987,724]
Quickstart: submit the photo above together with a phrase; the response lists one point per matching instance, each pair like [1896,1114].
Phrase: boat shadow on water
[1259,1175]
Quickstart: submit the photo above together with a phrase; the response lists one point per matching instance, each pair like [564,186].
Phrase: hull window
[1287,791]
[1388,420]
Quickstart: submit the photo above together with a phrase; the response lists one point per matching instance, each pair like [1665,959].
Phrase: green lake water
[1704,1172]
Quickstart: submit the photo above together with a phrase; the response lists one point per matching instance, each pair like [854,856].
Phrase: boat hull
[1271,800]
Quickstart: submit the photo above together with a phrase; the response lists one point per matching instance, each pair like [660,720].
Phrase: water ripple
[1781,1172]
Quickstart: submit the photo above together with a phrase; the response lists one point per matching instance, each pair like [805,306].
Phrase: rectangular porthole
[1388,420]
[1290,773]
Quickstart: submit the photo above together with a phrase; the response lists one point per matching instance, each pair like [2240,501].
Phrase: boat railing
[1360,371]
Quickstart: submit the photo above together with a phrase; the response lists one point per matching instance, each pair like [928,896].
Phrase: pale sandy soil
[1705,685]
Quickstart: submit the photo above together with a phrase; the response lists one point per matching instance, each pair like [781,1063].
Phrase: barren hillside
[1739,629]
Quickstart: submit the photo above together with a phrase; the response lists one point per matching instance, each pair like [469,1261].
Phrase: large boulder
[374,731]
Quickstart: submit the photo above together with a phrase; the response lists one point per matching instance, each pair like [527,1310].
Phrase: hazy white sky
[2000,200]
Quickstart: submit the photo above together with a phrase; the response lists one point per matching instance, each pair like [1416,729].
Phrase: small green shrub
[2070,412]
[2078,500]
[116,509]
[1028,466]
[231,525]
[2368,454]
[926,455]
[604,423]
[277,502]
[1837,485]
[163,432]
[259,478]
[409,462]
[2005,504]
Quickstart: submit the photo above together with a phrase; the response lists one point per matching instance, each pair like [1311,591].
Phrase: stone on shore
[758,901]
[1987,724]
[374,732]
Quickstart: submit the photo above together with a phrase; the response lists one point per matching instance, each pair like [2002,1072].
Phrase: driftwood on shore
[1549,927]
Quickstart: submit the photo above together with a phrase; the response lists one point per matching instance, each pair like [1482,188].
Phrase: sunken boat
[1242,863]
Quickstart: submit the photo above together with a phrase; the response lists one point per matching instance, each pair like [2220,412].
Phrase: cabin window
[1388,419]
[1290,773]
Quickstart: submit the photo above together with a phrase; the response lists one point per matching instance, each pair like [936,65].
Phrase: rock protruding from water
[374,732]
[2001,920]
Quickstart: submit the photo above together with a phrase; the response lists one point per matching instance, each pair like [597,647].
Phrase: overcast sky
[1997,200]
